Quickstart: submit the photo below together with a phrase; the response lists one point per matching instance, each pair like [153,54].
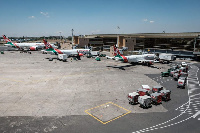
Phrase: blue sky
[49,17]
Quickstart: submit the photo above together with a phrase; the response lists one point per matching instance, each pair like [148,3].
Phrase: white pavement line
[146,130]
[182,105]
[195,115]
[195,95]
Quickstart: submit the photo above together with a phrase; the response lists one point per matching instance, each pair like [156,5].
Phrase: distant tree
[69,38]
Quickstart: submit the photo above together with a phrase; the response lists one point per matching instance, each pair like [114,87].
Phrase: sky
[86,17]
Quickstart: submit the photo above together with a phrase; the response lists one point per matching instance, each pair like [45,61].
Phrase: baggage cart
[144,101]
[146,87]
[142,92]
[157,88]
[133,98]
[165,95]
[156,98]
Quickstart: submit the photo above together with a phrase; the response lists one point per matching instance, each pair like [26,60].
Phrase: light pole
[118,36]
[60,36]
[72,37]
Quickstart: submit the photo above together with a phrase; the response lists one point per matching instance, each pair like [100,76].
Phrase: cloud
[31,17]
[151,21]
[46,14]
[145,20]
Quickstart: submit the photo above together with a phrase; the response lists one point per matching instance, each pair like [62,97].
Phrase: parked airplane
[144,58]
[73,52]
[24,46]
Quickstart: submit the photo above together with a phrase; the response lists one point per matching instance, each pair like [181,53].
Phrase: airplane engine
[33,48]
[80,54]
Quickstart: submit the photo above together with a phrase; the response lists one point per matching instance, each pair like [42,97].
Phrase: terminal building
[176,41]
[189,41]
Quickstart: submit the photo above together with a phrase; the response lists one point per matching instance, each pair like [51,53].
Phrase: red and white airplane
[144,58]
[23,46]
[72,52]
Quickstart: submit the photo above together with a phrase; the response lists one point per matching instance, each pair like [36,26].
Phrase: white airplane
[23,46]
[73,52]
[144,58]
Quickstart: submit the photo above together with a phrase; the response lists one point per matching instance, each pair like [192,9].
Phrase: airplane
[23,46]
[144,58]
[69,53]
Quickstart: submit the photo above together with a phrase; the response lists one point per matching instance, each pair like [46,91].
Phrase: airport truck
[156,98]
[146,87]
[166,58]
[165,74]
[176,76]
[62,57]
[165,95]
[182,81]
[142,92]
[144,101]
[157,88]
[95,53]
[133,98]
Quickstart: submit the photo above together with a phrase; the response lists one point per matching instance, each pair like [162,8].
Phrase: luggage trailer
[156,98]
[157,88]
[165,95]
[133,98]
[144,101]
[142,92]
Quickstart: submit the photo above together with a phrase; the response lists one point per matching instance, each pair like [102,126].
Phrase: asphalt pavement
[182,115]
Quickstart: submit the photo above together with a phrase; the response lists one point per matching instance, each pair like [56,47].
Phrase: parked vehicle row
[146,96]
[179,74]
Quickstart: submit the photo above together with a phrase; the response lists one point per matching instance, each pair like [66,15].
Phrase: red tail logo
[47,44]
[116,52]
[6,39]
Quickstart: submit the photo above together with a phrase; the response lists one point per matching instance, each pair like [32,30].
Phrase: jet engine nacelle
[33,48]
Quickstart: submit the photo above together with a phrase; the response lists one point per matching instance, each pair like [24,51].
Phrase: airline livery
[73,52]
[144,58]
[23,46]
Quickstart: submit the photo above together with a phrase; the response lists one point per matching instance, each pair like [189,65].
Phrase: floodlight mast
[118,36]
[72,37]
[60,36]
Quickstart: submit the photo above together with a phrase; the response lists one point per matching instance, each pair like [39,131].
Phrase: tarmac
[38,95]
[34,86]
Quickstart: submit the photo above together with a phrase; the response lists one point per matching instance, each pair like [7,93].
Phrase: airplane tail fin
[6,39]
[118,55]
[9,42]
[116,51]
[47,45]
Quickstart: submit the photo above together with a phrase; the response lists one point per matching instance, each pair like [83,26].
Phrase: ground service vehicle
[156,98]
[165,74]
[62,57]
[157,89]
[165,57]
[182,81]
[165,95]
[144,101]
[142,92]
[172,72]
[133,98]
[98,58]
[146,87]
[176,76]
